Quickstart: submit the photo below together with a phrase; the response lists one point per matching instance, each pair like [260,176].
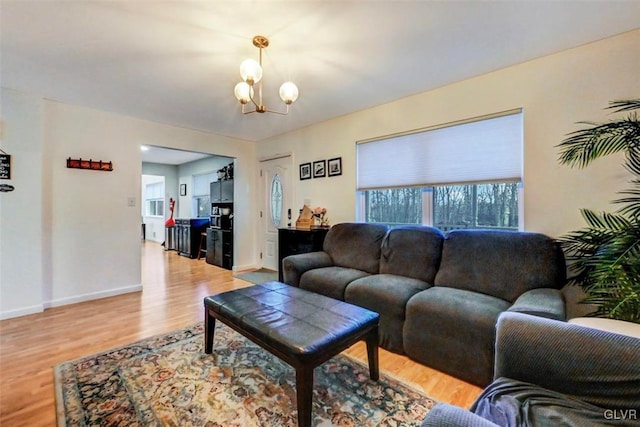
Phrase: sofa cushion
[503,264]
[330,281]
[355,245]
[386,294]
[453,331]
[412,251]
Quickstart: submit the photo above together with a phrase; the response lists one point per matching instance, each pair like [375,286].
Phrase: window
[275,200]
[493,205]
[201,194]
[154,199]
[464,175]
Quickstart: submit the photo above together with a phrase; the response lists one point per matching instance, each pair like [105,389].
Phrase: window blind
[154,191]
[201,183]
[484,150]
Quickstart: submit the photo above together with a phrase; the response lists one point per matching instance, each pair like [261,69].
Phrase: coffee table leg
[372,354]
[304,393]
[209,329]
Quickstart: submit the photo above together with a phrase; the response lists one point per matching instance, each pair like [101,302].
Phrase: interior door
[276,184]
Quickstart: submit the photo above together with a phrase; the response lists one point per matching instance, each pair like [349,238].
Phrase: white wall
[23,236]
[555,92]
[68,234]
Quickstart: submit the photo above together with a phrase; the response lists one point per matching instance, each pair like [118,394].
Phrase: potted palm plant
[605,255]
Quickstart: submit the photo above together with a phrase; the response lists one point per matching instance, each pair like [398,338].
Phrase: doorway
[276,188]
[153,207]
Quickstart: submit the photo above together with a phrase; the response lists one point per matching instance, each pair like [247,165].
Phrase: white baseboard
[237,268]
[91,296]
[21,311]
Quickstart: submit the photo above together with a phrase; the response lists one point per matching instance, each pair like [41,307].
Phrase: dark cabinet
[221,191]
[215,191]
[226,190]
[220,248]
[188,233]
[293,241]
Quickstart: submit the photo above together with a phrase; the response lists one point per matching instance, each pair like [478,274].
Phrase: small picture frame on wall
[334,166]
[183,189]
[320,169]
[305,171]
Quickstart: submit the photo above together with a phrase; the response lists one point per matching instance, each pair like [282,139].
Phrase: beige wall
[555,92]
[23,240]
[68,235]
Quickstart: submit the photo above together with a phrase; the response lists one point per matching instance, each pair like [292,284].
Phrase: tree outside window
[490,205]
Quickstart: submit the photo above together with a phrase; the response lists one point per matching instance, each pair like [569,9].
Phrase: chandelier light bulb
[250,71]
[243,92]
[288,92]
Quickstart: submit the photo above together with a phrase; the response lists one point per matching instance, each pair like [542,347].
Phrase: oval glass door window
[276,200]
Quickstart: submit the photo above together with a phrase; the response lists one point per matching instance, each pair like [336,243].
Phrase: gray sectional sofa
[439,296]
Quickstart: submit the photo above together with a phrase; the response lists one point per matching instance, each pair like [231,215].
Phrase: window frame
[151,198]
[427,205]
[428,187]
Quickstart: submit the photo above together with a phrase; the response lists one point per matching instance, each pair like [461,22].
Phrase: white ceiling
[176,62]
[169,156]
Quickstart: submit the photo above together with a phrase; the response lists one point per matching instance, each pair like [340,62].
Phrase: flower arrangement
[320,215]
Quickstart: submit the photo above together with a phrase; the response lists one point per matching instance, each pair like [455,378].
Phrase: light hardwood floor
[173,291]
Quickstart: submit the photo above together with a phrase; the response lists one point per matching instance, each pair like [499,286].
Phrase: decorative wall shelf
[89,164]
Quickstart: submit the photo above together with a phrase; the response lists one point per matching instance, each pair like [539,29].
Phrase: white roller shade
[478,151]
[154,191]
[201,183]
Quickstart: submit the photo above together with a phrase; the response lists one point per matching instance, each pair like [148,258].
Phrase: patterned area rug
[168,380]
[258,276]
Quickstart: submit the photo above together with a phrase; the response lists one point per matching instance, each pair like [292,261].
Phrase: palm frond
[632,163]
[624,105]
[631,208]
[585,145]
[605,220]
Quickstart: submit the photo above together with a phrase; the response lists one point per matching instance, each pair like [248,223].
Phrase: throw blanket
[508,402]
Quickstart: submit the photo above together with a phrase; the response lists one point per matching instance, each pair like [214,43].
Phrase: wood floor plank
[172,298]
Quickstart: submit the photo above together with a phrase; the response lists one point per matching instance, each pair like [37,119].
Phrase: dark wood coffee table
[302,328]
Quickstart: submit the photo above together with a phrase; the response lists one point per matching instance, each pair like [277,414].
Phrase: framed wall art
[335,166]
[305,171]
[183,189]
[320,169]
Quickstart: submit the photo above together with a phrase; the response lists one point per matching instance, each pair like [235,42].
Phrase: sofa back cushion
[503,264]
[412,251]
[355,245]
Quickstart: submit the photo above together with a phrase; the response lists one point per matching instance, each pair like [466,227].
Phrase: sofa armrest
[544,302]
[445,415]
[294,266]
[595,366]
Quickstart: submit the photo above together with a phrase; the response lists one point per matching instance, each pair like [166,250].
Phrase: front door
[276,206]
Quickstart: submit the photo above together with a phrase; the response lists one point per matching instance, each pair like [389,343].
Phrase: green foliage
[605,256]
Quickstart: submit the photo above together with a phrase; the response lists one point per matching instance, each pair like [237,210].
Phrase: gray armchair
[551,373]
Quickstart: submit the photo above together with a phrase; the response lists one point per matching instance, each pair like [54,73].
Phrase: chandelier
[251,72]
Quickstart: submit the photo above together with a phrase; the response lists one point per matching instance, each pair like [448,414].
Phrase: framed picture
[335,166]
[320,169]
[305,171]
[183,189]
